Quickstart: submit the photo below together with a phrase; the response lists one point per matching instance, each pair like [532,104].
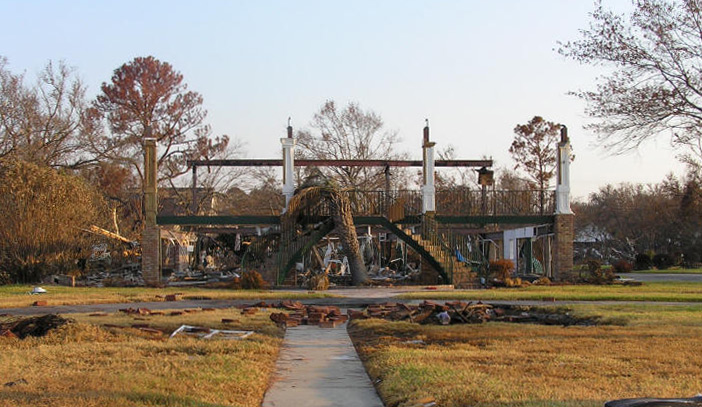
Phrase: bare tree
[349,133]
[43,123]
[654,87]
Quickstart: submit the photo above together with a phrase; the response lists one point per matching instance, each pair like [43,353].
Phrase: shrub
[622,266]
[691,259]
[542,281]
[598,275]
[43,213]
[318,282]
[593,265]
[662,261]
[642,261]
[501,269]
[252,280]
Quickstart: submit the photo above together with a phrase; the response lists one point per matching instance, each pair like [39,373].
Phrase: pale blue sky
[474,68]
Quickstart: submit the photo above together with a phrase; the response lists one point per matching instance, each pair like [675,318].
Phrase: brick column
[564,232]
[151,236]
[563,244]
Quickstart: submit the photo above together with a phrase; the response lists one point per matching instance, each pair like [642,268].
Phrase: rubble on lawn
[460,312]
[33,326]
[208,333]
[323,316]
[427,312]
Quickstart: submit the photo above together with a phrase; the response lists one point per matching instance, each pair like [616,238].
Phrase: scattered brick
[249,311]
[329,324]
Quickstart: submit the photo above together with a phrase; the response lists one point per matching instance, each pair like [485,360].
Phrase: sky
[474,68]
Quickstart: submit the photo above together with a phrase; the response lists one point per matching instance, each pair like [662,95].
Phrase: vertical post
[563,229]
[386,201]
[563,183]
[193,204]
[151,237]
[428,187]
[288,165]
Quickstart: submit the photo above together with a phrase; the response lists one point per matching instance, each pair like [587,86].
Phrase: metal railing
[495,202]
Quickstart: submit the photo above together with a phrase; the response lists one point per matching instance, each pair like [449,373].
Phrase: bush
[642,261]
[662,261]
[501,269]
[542,281]
[593,265]
[598,275]
[318,282]
[691,259]
[252,280]
[43,214]
[622,266]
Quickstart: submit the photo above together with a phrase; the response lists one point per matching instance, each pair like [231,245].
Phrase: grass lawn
[87,364]
[658,291]
[16,295]
[654,354]
[667,271]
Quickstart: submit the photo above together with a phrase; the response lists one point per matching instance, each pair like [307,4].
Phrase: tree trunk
[343,221]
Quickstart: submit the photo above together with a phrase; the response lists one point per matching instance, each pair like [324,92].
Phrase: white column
[288,166]
[563,182]
[429,188]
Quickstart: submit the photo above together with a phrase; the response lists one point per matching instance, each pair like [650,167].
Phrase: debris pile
[460,312]
[126,275]
[324,316]
[34,326]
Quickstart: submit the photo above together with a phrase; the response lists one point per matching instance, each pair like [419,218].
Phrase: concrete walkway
[319,367]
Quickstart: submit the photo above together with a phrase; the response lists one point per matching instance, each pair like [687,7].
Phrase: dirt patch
[33,326]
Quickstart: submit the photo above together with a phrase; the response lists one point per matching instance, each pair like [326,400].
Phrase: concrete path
[319,367]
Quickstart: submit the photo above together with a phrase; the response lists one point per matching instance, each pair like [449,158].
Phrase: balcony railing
[495,203]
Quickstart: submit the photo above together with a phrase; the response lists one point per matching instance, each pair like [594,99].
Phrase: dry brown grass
[87,364]
[653,291]
[17,295]
[499,364]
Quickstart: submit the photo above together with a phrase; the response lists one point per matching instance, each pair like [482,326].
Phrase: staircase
[458,257]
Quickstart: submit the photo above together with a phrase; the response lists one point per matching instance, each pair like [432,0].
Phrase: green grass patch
[12,296]
[654,291]
[667,271]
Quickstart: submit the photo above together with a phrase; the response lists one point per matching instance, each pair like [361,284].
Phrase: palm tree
[328,194]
